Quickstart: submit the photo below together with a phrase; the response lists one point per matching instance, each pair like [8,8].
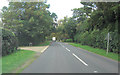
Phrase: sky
[61,7]
[3,3]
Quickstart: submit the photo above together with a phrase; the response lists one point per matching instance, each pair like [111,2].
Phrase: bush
[76,38]
[9,42]
[114,42]
[24,39]
[96,39]
[68,40]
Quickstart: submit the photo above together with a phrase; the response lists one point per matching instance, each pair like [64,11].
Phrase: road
[64,58]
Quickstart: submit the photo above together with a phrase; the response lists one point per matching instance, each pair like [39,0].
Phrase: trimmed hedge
[9,42]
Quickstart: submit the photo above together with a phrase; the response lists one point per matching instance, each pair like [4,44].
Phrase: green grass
[0,65]
[97,51]
[13,61]
[45,43]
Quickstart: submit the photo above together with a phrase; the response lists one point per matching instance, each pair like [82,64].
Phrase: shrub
[76,38]
[114,42]
[9,42]
[24,39]
[68,40]
[96,39]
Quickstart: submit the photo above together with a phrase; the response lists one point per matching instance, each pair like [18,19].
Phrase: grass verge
[97,51]
[13,61]
[45,43]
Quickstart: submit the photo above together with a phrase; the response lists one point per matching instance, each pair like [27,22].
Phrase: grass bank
[97,51]
[13,61]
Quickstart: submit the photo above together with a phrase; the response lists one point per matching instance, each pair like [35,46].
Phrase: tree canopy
[91,23]
[30,21]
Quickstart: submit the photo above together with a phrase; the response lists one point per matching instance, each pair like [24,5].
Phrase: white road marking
[44,49]
[68,49]
[80,59]
[62,45]
[95,71]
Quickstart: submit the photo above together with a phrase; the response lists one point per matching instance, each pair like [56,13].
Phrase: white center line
[80,59]
[62,46]
[68,49]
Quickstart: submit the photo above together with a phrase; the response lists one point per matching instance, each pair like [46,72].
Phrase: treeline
[90,25]
[29,22]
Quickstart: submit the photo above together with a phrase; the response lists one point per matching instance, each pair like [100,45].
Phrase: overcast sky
[61,7]
[3,3]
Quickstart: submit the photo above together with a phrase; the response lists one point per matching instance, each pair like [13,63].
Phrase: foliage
[66,29]
[31,21]
[94,30]
[46,43]
[68,40]
[105,16]
[9,42]
[91,23]
[59,33]
[96,39]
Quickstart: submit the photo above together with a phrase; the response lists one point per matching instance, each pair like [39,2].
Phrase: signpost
[108,38]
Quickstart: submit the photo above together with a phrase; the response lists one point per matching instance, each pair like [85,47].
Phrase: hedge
[9,42]
[68,40]
[96,39]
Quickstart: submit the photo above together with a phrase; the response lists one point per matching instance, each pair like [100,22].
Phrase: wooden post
[108,43]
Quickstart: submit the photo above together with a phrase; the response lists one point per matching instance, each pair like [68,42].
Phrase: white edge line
[68,49]
[80,59]
[44,49]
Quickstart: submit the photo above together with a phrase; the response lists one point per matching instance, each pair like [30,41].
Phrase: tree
[31,22]
[70,28]
[105,15]
[79,14]
[54,16]
[91,23]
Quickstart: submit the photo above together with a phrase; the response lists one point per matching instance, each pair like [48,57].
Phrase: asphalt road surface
[64,58]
